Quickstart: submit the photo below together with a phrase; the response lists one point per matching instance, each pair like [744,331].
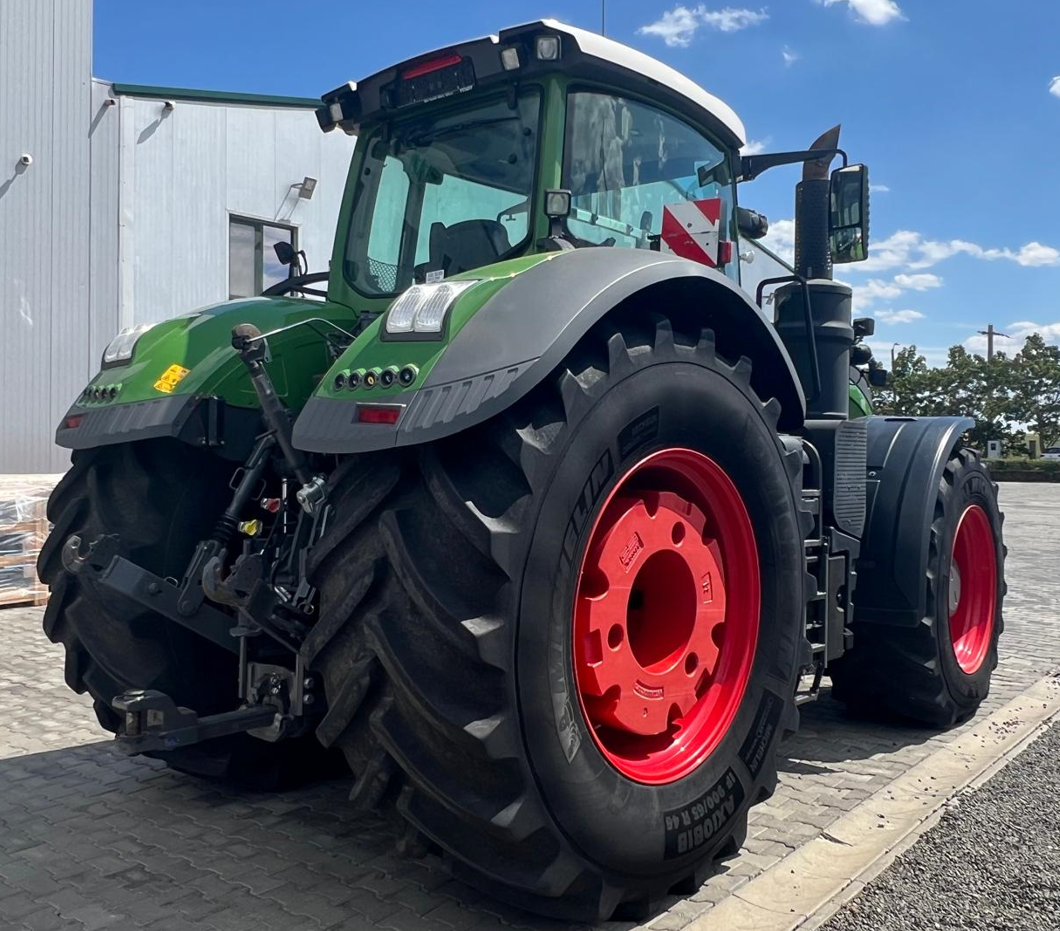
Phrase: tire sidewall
[972,486]
[636,829]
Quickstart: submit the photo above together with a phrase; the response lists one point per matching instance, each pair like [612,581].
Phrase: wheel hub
[647,627]
[666,615]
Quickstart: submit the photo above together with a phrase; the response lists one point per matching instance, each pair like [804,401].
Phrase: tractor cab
[459,149]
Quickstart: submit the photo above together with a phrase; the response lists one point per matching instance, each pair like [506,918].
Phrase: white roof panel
[609,50]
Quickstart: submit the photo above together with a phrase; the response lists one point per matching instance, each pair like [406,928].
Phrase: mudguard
[906,459]
[184,379]
[532,319]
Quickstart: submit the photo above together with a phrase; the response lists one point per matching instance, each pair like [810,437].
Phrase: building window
[252,262]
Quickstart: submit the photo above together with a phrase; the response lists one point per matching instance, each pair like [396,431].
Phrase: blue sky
[954,105]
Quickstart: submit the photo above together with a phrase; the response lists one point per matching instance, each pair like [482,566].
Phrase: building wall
[122,218]
[45,256]
[183,172]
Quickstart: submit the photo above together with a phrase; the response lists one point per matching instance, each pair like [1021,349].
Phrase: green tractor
[538,528]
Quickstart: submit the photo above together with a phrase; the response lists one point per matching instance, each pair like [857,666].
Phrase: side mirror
[848,222]
[285,253]
[878,376]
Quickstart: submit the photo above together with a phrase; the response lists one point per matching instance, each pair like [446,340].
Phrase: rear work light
[379,413]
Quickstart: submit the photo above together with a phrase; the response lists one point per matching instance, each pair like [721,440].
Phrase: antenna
[603,17]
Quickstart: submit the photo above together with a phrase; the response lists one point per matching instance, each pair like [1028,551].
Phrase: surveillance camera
[169,105]
[26,160]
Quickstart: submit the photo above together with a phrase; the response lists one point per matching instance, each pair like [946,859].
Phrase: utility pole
[990,333]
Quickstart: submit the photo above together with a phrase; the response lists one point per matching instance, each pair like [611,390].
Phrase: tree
[1036,377]
[1006,396]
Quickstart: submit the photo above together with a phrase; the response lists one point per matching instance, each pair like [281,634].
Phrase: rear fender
[530,321]
[906,459]
[185,380]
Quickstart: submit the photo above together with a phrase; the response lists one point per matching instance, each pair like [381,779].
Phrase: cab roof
[637,63]
[584,55]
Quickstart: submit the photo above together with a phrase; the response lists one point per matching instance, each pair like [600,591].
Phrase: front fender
[184,376]
[531,318]
[906,459]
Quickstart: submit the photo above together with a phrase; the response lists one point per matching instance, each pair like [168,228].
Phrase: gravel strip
[992,861]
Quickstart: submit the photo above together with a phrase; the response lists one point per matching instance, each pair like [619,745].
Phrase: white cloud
[781,239]
[676,27]
[1034,253]
[789,55]
[872,12]
[921,282]
[879,189]
[1013,338]
[1054,86]
[874,288]
[911,250]
[755,146]
[898,316]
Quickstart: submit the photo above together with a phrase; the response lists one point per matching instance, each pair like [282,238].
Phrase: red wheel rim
[972,589]
[666,616]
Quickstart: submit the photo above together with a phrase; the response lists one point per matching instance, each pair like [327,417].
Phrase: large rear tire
[938,672]
[161,497]
[462,651]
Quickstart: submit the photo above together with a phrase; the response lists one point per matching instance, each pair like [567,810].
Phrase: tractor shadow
[829,736]
[86,830]
[89,829]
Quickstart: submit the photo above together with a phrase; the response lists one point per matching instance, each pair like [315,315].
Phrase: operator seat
[466,245]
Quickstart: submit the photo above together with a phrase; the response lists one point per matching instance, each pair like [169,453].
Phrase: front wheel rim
[972,589]
[674,543]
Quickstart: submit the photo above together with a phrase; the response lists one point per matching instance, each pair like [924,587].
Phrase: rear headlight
[423,307]
[120,349]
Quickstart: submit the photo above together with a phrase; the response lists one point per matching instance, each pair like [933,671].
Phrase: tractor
[535,525]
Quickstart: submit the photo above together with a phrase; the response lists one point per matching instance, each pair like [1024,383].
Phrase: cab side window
[624,161]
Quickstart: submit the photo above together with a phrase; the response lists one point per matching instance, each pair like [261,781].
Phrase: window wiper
[416,139]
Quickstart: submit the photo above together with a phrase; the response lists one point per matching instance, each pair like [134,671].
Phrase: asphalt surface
[992,861]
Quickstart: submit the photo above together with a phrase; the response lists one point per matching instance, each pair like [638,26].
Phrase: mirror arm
[751,166]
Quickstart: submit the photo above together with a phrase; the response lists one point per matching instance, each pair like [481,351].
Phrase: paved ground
[992,862]
[89,839]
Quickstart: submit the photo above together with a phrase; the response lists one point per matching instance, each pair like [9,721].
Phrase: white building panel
[45,96]
[190,168]
[122,216]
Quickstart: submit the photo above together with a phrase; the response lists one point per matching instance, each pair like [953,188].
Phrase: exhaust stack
[813,259]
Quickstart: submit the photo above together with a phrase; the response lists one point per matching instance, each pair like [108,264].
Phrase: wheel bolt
[308,683]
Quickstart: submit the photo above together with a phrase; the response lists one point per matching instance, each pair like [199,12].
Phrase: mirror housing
[848,220]
[877,376]
[285,253]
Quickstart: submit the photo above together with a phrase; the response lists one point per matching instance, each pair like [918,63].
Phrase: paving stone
[90,838]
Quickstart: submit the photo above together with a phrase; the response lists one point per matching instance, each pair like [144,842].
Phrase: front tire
[451,582]
[161,497]
[938,672]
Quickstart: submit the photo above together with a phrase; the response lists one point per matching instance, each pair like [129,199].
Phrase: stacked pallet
[23,528]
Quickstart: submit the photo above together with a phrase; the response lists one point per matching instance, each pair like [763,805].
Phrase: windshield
[443,194]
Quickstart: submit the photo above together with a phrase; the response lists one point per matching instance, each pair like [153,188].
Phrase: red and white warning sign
[692,230]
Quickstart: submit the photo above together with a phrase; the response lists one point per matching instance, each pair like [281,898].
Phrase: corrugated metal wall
[122,217]
[45,345]
[184,171]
